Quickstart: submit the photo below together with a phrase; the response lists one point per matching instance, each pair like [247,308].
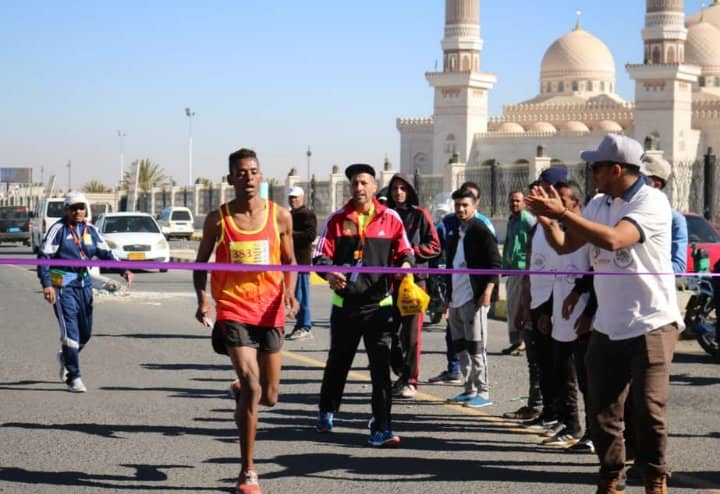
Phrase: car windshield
[55,209]
[13,213]
[699,230]
[181,216]
[130,224]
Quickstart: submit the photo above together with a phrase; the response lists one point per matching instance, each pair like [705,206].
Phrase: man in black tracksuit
[407,330]
[362,233]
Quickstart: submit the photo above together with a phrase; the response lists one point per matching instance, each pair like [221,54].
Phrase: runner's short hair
[238,155]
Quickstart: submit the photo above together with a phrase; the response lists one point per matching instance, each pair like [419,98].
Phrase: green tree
[203,181]
[95,186]
[150,175]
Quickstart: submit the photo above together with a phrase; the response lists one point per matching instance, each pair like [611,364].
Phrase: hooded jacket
[418,224]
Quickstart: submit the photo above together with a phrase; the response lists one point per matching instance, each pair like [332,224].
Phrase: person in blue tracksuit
[69,289]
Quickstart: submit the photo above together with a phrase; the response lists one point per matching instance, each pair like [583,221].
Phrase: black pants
[541,363]
[565,382]
[347,326]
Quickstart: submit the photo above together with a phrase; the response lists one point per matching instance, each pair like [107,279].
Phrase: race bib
[250,252]
[87,239]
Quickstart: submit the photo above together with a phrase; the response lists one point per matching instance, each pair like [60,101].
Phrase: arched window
[419,161]
[453,63]
[602,86]
[656,55]
[465,63]
[575,85]
[549,87]
[671,54]
[450,144]
[701,81]
[589,86]
[561,87]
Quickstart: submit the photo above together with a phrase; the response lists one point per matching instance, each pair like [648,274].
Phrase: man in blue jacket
[69,289]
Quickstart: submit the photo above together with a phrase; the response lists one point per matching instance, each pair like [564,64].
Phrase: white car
[134,237]
[176,222]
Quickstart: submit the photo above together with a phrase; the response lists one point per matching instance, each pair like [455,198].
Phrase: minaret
[663,83]
[461,90]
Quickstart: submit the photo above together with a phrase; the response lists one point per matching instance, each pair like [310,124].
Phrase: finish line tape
[286,268]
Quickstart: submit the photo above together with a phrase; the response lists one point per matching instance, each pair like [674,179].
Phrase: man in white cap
[304,232]
[658,172]
[635,330]
[69,289]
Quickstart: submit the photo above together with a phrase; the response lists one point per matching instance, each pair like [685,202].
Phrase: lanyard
[363,220]
[78,239]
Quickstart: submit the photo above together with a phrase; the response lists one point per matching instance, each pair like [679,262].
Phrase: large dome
[703,46]
[710,14]
[580,55]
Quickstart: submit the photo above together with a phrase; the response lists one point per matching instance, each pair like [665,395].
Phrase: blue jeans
[302,294]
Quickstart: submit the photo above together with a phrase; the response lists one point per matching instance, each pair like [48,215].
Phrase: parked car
[15,224]
[702,235]
[134,237]
[176,222]
[47,212]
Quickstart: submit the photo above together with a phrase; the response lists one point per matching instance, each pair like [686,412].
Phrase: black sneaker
[522,413]
[446,377]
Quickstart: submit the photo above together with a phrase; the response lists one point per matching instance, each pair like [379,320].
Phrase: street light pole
[122,135]
[189,113]
[308,154]
[69,167]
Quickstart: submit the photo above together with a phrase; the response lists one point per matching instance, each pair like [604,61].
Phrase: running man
[250,306]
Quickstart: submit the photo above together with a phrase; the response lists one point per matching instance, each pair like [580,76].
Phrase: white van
[176,222]
[47,212]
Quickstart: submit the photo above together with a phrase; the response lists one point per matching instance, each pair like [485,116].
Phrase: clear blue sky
[273,75]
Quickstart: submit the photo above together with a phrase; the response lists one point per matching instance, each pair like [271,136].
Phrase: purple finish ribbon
[286,268]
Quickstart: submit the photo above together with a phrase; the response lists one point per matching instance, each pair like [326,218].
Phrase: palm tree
[207,182]
[150,175]
[95,186]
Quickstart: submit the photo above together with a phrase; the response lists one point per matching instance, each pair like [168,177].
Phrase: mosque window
[701,81]
[453,63]
[549,87]
[561,87]
[589,86]
[656,55]
[575,85]
[671,54]
[450,144]
[465,64]
[602,86]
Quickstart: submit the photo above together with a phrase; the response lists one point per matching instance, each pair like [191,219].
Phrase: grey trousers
[468,328]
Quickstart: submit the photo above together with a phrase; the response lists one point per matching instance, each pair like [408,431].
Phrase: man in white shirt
[636,326]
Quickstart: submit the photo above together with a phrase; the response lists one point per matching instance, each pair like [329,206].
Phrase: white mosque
[676,111]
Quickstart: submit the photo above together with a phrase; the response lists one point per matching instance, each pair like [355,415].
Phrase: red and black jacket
[384,243]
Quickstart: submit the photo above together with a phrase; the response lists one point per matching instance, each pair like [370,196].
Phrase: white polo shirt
[461,288]
[542,258]
[630,306]
[579,261]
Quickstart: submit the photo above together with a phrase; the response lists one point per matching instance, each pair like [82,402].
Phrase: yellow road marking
[509,425]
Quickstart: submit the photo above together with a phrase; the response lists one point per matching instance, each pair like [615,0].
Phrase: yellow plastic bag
[411,298]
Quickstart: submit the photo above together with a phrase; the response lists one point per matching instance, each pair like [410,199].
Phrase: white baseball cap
[656,167]
[616,148]
[75,198]
[296,192]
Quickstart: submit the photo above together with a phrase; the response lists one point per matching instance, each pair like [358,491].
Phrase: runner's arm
[211,230]
[287,254]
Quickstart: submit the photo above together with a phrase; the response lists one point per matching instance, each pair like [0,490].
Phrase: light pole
[308,154]
[122,135]
[69,167]
[189,113]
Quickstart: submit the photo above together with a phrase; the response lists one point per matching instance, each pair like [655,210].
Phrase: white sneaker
[62,371]
[407,391]
[77,386]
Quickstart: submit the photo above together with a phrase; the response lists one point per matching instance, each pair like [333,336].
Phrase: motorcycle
[438,290]
[701,315]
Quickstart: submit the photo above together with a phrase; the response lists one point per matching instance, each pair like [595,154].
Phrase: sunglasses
[77,207]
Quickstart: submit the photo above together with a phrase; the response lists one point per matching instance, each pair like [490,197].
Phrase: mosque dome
[542,127]
[511,128]
[608,126]
[710,14]
[575,126]
[578,54]
[703,46]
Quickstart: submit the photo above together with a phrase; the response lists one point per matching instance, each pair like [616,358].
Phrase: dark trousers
[541,364]
[564,380]
[453,362]
[407,343]
[580,350]
[347,326]
[614,367]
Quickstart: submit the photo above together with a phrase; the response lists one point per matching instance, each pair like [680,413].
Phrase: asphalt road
[156,417]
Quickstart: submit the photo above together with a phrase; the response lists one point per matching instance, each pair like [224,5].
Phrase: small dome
[608,126]
[542,127]
[575,126]
[703,46]
[511,128]
[710,14]
[578,54]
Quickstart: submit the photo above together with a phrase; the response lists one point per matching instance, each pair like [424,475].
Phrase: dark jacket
[384,244]
[304,233]
[418,225]
[481,252]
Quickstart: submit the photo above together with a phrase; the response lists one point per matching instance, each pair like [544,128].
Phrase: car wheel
[163,270]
